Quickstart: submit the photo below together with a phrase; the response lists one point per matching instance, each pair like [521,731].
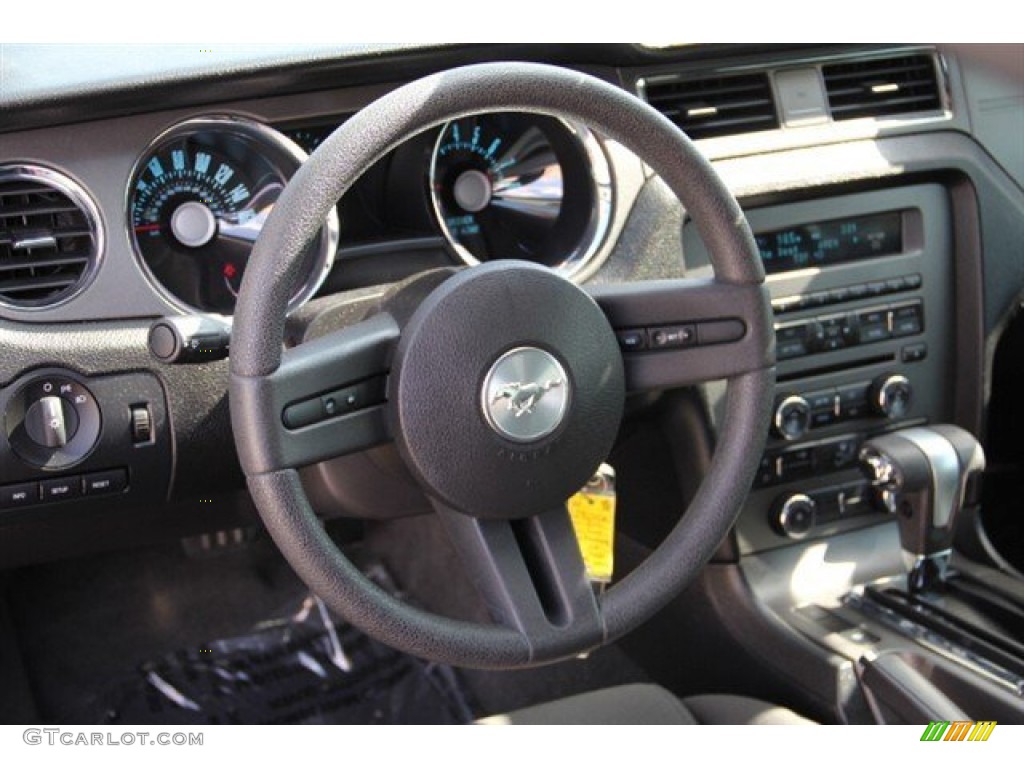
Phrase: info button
[20,495]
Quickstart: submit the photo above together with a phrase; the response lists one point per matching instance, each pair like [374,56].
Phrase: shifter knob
[922,475]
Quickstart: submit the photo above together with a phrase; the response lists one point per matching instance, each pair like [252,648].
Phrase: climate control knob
[891,396]
[794,516]
[792,417]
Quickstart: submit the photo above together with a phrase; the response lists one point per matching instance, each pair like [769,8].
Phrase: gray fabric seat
[641,704]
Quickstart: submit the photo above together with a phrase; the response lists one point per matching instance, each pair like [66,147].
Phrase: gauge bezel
[578,263]
[262,135]
[80,197]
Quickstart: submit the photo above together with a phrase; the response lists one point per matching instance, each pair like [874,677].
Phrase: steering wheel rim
[263,380]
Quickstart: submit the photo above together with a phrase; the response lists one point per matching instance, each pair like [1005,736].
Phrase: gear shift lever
[923,475]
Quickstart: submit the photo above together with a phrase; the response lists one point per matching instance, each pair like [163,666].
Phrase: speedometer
[197,202]
[514,185]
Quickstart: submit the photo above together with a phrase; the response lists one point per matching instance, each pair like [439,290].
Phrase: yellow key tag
[593,517]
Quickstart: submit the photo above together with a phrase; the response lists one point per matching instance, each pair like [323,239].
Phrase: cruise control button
[672,336]
[111,481]
[633,340]
[303,414]
[720,331]
[19,495]
[61,488]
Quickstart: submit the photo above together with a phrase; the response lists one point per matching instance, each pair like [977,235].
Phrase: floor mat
[92,631]
[306,668]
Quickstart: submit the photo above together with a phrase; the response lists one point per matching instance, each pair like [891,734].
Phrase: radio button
[876,288]
[914,353]
[838,295]
[853,401]
[822,419]
[814,336]
[858,292]
[823,400]
[907,320]
[895,285]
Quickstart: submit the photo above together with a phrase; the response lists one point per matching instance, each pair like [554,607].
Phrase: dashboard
[889,232]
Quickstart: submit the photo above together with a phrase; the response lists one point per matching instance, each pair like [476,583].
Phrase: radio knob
[794,516]
[814,336]
[891,395]
[792,417]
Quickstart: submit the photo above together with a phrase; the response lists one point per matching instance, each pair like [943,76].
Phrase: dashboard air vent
[714,106]
[895,85]
[50,238]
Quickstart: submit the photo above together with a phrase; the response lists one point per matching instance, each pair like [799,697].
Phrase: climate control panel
[796,414]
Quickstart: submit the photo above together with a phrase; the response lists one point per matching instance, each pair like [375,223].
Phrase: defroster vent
[50,237]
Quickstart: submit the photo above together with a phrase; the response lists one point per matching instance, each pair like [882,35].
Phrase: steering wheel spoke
[678,332]
[531,575]
[327,397]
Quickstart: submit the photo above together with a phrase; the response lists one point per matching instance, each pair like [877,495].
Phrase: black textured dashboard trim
[204,452]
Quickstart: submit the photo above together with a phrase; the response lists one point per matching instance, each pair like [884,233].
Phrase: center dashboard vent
[713,106]
[894,85]
[50,238]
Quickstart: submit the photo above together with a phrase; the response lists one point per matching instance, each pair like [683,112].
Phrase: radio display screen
[831,242]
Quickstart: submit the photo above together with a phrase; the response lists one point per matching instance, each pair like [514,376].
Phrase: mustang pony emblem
[522,397]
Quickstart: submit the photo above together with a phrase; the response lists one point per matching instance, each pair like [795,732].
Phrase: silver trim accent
[576,263]
[542,378]
[80,197]
[944,467]
[882,398]
[786,511]
[263,136]
[777,418]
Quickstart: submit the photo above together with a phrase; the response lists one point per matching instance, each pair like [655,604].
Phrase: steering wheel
[502,385]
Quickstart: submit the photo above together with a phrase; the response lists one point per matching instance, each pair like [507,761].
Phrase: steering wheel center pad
[446,351]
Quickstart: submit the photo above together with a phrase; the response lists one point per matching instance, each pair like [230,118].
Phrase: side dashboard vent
[714,106]
[50,237]
[896,85]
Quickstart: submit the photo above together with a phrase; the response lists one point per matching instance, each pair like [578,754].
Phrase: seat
[644,704]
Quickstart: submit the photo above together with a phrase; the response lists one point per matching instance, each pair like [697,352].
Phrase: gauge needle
[147,227]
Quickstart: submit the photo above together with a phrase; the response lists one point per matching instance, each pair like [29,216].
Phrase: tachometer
[198,200]
[521,186]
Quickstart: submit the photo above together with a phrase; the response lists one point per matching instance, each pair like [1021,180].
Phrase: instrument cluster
[489,186]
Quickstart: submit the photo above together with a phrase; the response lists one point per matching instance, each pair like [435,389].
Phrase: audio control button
[792,417]
[794,516]
[891,396]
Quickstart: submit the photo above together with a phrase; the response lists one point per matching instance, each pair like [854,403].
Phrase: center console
[862,290]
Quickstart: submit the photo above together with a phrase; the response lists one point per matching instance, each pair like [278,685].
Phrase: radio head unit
[825,243]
